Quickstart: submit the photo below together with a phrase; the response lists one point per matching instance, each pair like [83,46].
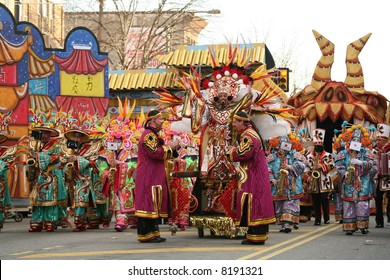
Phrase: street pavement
[309,242]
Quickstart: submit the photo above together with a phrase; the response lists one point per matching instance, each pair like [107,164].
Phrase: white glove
[356,161]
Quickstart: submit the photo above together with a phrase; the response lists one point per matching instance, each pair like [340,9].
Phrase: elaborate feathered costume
[211,102]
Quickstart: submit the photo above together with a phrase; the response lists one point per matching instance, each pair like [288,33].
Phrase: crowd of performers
[95,170]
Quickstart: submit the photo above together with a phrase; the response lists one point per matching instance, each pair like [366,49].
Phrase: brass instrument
[282,174]
[315,177]
[68,151]
[282,177]
[70,170]
[32,164]
[351,171]
[31,161]
[112,170]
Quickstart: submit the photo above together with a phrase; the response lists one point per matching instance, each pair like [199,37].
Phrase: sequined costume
[356,166]
[286,183]
[48,193]
[151,190]
[5,198]
[254,201]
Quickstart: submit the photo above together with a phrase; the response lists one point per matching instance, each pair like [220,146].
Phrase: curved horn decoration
[355,80]
[324,65]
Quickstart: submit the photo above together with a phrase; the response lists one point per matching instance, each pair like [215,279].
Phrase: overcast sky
[290,23]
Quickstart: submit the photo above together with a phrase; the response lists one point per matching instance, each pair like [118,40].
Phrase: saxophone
[351,171]
[112,170]
[315,176]
[70,171]
[32,164]
[282,174]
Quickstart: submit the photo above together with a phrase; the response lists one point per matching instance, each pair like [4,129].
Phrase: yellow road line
[264,250]
[53,247]
[137,251]
[188,249]
[22,253]
[299,243]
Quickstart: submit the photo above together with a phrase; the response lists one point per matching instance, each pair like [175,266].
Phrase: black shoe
[282,229]
[349,232]
[247,242]
[156,240]
[287,230]
[327,222]
[317,223]
[379,226]
[296,226]
[364,231]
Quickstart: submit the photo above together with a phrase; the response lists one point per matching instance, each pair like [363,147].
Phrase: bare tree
[284,54]
[133,33]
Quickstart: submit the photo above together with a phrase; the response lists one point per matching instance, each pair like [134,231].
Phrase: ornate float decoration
[326,103]
[207,109]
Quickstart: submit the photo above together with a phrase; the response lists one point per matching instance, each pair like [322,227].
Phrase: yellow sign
[82,85]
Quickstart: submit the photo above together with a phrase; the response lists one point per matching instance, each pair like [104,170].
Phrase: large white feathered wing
[268,128]
[184,125]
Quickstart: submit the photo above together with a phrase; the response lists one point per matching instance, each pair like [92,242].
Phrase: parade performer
[286,166]
[6,159]
[208,107]
[338,146]
[383,185]
[151,190]
[326,103]
[189,163]
[356,166]
[320,164]
[305,202]
[119,166]
[180,189]
[254,201]
[45,172]
[79,157]
[98,214]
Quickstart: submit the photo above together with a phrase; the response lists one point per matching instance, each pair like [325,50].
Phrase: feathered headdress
[48,121]
[5,120]
[352,134]
[81,123]
[121,126]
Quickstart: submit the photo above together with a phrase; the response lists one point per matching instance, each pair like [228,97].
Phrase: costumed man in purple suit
[255,209]
[151,189]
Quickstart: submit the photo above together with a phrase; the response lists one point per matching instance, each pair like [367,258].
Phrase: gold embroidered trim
[150,142]
[245,145]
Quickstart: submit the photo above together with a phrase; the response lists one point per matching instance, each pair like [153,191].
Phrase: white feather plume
[184,125]
[268,128]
